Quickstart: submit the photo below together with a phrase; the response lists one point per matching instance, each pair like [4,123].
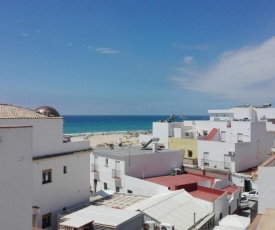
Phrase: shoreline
[106,133]
[103,139]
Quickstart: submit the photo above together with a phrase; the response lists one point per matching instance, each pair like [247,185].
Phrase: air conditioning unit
[165,226]
[149,225]
[231,153]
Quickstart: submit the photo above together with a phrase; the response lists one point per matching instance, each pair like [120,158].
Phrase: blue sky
[137,57]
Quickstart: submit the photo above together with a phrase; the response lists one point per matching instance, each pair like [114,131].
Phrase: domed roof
[48,111]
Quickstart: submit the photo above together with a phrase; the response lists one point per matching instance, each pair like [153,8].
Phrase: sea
[86,124]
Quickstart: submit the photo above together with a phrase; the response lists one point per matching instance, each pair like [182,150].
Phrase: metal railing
[115,173]
[216,164]
[94,168]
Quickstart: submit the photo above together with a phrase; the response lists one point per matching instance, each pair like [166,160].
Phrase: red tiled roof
[211,135]
[231,189]
[186,181]
[208,194]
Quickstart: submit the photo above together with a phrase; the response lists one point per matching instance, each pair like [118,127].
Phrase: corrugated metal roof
[101,215]
[16,112]
[176,207]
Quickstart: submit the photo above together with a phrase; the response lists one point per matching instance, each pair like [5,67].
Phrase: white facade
[161,130]
[16,178]
[113,165]
[234,154]
[237,145]
[243,113]
[266,186]
[65,189]
[50,155]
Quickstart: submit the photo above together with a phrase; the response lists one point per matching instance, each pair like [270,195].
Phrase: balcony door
[206,158]
[117,166]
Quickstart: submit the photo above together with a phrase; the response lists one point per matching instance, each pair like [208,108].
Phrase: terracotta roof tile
[16,112]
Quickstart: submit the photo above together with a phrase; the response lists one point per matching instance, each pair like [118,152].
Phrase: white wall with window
[241,155]
[55,189]
[134,165]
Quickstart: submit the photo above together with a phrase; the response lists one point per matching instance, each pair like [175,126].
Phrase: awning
[77,222]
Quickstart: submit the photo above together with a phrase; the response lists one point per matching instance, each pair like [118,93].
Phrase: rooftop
[87,151]
[207,194]
[180,181]
[100,215]
[269,162]
[119,200]
[16,112]
[128,150]
[231,189]
[177,208]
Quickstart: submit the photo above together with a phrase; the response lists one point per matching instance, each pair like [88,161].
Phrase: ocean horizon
[75,124]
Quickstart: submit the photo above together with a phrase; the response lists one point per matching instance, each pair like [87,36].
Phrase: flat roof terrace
[185,181]
[128,150]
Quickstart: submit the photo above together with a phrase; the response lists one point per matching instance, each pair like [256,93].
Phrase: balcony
[216,164]
[94,168]
[116,174]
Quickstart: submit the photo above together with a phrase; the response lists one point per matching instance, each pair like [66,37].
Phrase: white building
[16,177]
[232,140]
[245,112]
[118,168]
[60,170]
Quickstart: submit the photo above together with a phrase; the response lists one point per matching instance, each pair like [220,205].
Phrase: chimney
[154,147]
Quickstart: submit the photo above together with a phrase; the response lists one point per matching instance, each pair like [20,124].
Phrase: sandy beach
[103,139]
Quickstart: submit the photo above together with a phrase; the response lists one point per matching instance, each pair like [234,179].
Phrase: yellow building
[189,146]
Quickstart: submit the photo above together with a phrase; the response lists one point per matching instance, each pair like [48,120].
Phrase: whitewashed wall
[105,172]
[154,164]
[266,188]
[137,166]
[47,136]
[65,190]
[142,187]
[16,178]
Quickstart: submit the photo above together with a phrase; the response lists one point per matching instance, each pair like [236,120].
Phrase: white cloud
[246,75]
[106,51]
[89,47]
[70,44]
[188,60]
[23,34]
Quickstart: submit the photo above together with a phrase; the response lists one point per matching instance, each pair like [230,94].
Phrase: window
[46,220]
[46,176]
[64,169]
[220,215]
[106,162]
[105,186]
[204,132]
[190,153]
[117,189]
[229,210]
[129,191]
[240,137]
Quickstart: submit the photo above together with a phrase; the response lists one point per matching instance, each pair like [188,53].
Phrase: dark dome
[48,111]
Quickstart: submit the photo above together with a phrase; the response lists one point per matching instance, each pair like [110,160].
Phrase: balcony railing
[216,164]
[94,168]
[115,173]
